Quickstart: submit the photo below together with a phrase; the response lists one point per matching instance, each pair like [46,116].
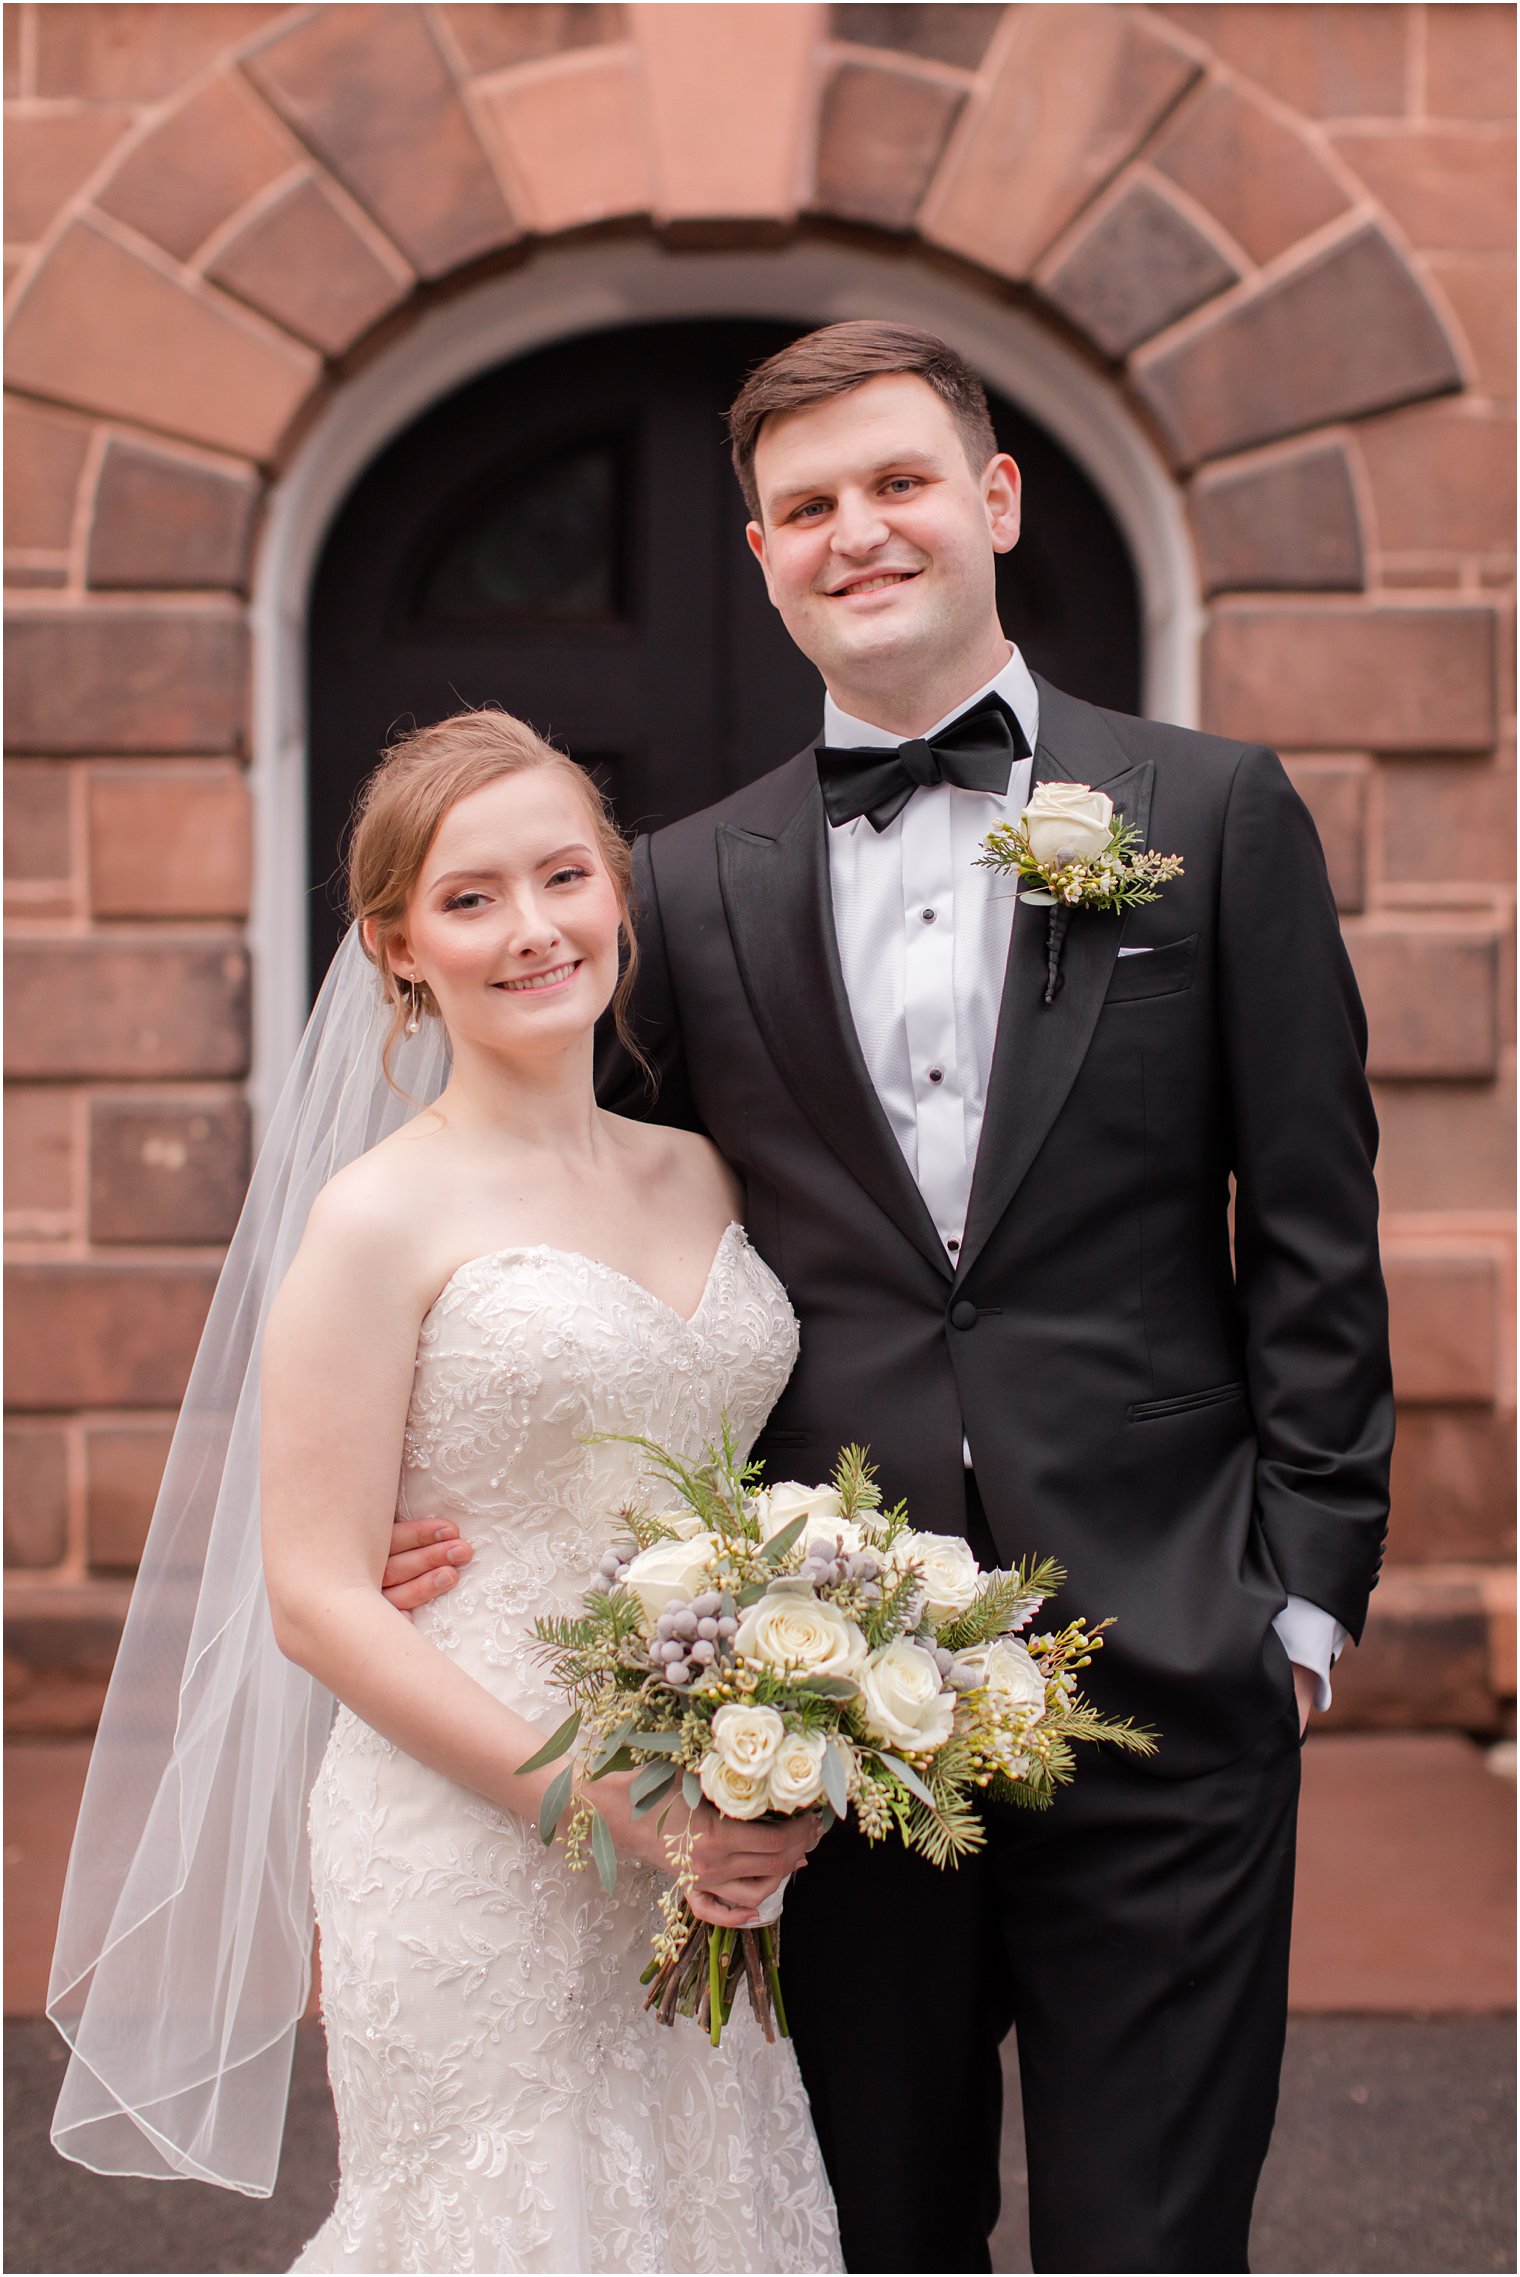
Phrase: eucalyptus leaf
[602,1760]
[656,1742]
[751,1593]
[1038,898]
[603,1852]
[829,1687]
[691,1788]
[552,1808]
[836,1777]
[778,1545]
[909,1778]
[563,1738]
[655,1780]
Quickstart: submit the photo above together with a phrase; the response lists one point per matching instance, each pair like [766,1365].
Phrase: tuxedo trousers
[1135,1937]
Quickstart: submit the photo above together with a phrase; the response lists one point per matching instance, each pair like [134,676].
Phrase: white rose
[1009,1670]
[737,1794]
[776,1506]
[667,1573]
[950,1572]
[791,1629]
[901,1699]
[683,1523]
[797,1771]
[1066,822]
[746,1739]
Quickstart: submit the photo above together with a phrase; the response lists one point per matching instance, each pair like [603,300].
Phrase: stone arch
[230,212]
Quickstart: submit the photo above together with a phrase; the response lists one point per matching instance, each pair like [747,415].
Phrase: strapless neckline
[598,1265]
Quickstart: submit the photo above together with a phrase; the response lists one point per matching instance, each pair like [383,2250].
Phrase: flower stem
[773,1978]
[715,1984]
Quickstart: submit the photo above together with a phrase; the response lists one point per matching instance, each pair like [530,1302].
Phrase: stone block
[1072,95]
[164,521]
[102,1335]
[301,261]
[1338,61]
[1470,61]
[1481,290]
[101,328]
[1453,1485]
[1134,270]
[124,1465]
[730,95]
[1447,1146]
[574,140]
[1431,992]
[1283,524]
[44,452]
[1424,1658]
[124,679]
[1451,189]
[1252,169]
[879,140]
[169,842]
[190,175]
[367,90]
[1442,477]
[1448,819]
[39,1158]
[48,156]
[166,1169]
[135,1008]
[1339,679]
[36,1496]
[17,76]
[493,38]
[953,31]
[39,829]
[1347,332]
[1444,1310]
[109,53]
[1335,792]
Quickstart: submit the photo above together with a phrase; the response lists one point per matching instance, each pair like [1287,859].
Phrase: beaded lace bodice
[504,2100]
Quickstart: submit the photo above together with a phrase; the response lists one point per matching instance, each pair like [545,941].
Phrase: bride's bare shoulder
[379,1204]
[686,1164]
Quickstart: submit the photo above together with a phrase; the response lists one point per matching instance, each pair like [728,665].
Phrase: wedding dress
[504,2100]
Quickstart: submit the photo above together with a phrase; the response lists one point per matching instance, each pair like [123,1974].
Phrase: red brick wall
[1282,232]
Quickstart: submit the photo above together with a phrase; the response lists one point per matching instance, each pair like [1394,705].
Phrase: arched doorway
[563,536]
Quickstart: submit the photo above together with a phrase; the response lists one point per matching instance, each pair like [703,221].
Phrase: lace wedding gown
[504,2100]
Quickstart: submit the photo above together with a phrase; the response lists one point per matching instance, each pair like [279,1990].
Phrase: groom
[1006,1226]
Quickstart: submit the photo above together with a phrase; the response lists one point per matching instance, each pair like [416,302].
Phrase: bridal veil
[183,1960]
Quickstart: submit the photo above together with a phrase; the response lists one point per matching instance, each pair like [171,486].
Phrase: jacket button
[963,1313]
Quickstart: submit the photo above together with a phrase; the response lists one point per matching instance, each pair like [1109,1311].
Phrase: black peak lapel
[1041,1046]
[781,920]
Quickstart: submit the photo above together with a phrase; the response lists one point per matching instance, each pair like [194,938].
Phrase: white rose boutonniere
[1070,851]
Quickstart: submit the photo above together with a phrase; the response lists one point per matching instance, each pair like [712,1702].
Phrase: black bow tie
[975,752]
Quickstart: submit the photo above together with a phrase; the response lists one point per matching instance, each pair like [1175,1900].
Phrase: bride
[506,1275]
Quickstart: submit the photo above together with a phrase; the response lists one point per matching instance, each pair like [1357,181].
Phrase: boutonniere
[1071,851]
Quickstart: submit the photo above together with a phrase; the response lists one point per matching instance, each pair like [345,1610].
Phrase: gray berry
[702,1652]
[677,1672]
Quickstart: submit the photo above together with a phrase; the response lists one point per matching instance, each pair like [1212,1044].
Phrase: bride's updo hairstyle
[421,778]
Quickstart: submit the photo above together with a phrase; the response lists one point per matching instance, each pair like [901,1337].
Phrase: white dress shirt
[923,942]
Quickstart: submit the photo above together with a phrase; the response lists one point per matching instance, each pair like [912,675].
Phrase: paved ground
[1394,2152]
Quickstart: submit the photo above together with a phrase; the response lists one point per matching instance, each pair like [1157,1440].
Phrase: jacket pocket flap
[1161,972]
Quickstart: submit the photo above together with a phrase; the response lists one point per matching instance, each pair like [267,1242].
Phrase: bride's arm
[339,1352]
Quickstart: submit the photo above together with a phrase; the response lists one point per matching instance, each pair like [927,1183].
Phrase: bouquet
[789,1648]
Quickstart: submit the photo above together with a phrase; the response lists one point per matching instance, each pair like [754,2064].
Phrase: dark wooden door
[564,537]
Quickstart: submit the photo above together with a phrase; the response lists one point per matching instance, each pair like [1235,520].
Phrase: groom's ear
[1002,495]
[755,537]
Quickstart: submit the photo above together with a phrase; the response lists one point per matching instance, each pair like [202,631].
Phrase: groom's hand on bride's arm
[424,1561]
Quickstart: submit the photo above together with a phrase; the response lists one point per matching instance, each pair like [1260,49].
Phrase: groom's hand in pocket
[425,1557]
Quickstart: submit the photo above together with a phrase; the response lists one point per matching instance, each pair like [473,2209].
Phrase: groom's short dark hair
[841,356]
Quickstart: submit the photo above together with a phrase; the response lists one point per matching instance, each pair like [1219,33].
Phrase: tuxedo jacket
[1187,1404]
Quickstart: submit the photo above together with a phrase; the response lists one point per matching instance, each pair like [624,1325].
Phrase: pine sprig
[855,1483]
[1007,1602]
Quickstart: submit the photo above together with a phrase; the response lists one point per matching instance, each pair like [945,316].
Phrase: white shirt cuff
[1312,1639]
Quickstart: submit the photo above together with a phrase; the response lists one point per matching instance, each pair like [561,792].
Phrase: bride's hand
[739,1862]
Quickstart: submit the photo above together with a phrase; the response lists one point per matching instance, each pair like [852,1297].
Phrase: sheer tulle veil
[183,1960]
